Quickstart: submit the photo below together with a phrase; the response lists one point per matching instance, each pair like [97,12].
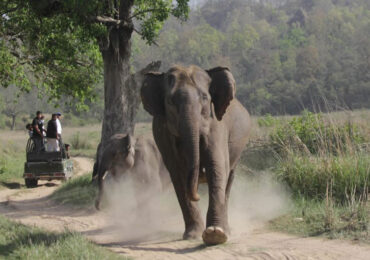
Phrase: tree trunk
[120,98]
[121,88]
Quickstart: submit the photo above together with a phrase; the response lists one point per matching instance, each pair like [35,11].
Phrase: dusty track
[35,208]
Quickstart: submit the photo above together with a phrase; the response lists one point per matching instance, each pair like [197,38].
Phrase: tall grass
[80,142]
[324,160]
[309,176]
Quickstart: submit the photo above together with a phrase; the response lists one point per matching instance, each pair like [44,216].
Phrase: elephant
[139,157]
[201,130]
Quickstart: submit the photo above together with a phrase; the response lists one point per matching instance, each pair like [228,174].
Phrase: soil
[34,207]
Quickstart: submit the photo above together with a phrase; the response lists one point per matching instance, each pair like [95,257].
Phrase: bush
[309,133]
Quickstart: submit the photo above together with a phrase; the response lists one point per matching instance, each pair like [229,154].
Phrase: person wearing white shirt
[59,125]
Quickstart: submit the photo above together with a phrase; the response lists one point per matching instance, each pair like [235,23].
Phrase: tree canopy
[56,44]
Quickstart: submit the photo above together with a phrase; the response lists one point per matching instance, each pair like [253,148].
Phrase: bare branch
[111,21]
[144,12]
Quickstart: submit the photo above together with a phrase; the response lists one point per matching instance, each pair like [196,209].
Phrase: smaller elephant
[139,157]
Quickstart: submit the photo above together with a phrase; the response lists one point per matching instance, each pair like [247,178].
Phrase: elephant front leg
[194,224]
[217,222]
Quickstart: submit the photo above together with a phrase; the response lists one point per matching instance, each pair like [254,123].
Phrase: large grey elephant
[200,128]
[139,157]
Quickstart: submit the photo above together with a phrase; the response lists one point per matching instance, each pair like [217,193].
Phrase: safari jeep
[46,165]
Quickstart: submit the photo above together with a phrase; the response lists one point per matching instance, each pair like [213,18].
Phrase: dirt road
[33,207]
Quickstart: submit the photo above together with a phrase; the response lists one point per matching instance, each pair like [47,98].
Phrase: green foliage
[79,191]
[56,45]
[267,121]
[18,241]
[310,133]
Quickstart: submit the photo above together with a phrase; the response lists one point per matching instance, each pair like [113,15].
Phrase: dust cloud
[254,200]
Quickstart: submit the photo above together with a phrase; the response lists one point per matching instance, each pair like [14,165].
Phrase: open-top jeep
[44,165]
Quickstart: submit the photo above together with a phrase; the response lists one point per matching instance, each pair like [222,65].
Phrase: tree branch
[143,12]
[111,21]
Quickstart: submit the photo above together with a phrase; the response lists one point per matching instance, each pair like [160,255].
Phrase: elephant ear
[222,89]
[152,94]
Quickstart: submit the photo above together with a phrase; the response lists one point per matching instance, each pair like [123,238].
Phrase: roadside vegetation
[324,160]
[79,191]
[12,157]
[18,241]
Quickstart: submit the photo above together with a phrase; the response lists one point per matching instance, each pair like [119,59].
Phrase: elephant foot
[214,236]
[193,233]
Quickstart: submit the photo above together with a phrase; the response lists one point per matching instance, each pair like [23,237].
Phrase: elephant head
[117,157]
[120,153]
[189,99]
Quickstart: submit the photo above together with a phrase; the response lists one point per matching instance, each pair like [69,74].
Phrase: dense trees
[286,55]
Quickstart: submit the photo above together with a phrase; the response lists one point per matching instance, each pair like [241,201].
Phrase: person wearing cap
[38,129]
[52,144]
[59,125]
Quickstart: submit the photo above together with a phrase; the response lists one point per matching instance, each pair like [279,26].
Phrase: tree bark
[119,111]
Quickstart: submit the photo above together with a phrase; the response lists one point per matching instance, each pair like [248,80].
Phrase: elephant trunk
[189,131]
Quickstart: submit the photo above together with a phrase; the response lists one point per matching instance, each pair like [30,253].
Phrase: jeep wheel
[31,183]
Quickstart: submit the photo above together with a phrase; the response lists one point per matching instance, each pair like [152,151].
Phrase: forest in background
[286,56]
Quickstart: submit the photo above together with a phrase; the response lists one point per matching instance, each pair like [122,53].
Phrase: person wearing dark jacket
[52,135]
[38,129]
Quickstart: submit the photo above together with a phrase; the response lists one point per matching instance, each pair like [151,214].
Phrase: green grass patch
[313,134]
[18,241]
[325,218]
[313,177]
[78,191]
[12,159]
